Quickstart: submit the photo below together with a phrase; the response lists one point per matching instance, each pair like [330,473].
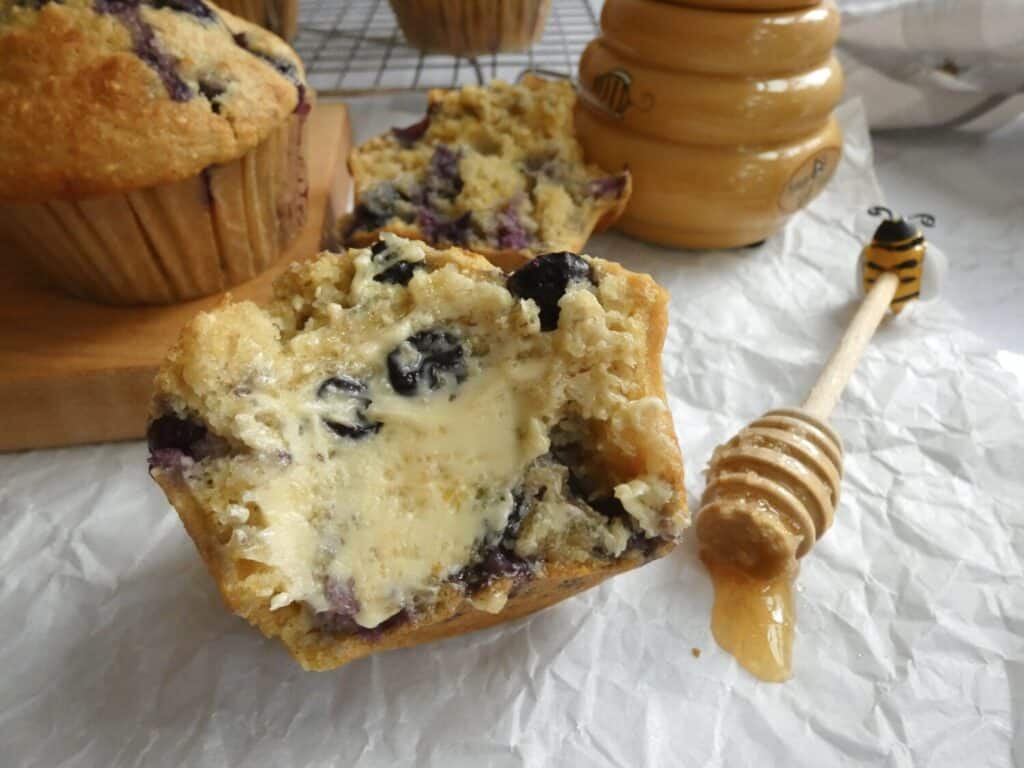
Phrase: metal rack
[354,47]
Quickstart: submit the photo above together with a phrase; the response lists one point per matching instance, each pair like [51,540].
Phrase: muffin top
[101,96]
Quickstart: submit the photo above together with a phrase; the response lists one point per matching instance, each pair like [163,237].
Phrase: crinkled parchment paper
[115,649]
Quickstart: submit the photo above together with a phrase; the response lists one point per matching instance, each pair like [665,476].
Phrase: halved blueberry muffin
[495,169]
[150,150]
[409,443]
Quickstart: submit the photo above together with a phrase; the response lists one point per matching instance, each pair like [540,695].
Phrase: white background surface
[115,649]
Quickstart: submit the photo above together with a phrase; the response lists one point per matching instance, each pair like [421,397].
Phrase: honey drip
[753,621]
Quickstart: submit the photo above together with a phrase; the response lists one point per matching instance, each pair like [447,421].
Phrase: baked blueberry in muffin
[150,150]
[368,464]
[496,169]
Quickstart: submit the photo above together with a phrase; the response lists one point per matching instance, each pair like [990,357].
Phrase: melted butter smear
[753,621]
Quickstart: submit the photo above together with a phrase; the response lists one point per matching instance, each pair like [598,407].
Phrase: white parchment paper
[115,649]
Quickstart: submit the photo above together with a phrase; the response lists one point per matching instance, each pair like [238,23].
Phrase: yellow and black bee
[898,246]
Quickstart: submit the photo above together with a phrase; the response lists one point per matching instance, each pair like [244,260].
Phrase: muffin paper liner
[279,16]
[171,242]
[471,27]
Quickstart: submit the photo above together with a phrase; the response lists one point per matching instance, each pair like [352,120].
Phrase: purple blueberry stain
[443,179]
[426,361]
[377,206]
[440,229]
[608,187]
[511,233]
[145,46]
[410,134]
[546,279]
[284,68]
[340,618]
[206,179]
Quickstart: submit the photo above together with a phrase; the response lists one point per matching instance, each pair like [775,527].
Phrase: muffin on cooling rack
[409,444]
[150,150]
[279,16]
[496,169]
[471,27]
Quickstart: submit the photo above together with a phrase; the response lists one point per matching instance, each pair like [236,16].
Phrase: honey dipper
[772,490]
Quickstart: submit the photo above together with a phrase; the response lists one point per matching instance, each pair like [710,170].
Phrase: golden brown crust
[84,114]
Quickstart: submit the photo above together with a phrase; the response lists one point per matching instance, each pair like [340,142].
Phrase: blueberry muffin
[150,150]
[279,16]
[409,443]
[471,27]
[497,170]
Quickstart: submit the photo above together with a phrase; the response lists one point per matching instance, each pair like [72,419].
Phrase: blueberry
[196,8]
[340,619]
[494,563]
[170,432]
[398,273]
[610,507]
[512,235]
[344,388]
[283,67]
[412,133]
[211,91]
[437,229]
[515,518]
[426,361]
[443,179]
[340,383]
[377,206]
[144,45]
[545,280]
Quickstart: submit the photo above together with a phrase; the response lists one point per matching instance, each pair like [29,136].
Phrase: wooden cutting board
[76,372]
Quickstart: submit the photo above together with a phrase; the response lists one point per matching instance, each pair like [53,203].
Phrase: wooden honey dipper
[772,490]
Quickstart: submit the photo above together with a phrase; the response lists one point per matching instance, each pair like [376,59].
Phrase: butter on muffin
[150,150]
[279,16]
[496,169]
[409,444]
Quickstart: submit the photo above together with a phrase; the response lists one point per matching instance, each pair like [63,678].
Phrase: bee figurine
[898,246]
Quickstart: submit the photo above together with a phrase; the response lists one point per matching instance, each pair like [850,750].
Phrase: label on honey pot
[809,179]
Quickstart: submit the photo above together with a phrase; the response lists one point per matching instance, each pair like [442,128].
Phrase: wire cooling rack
[355,47]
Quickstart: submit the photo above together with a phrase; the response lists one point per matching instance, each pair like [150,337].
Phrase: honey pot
[722,110]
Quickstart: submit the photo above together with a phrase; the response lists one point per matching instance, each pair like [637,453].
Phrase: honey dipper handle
[827,390]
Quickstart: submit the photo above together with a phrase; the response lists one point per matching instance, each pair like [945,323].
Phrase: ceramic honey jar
[722,110]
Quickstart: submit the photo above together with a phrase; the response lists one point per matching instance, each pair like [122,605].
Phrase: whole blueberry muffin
[496,169]
[410,443]
[150,150]
[279,16]
[471,27]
